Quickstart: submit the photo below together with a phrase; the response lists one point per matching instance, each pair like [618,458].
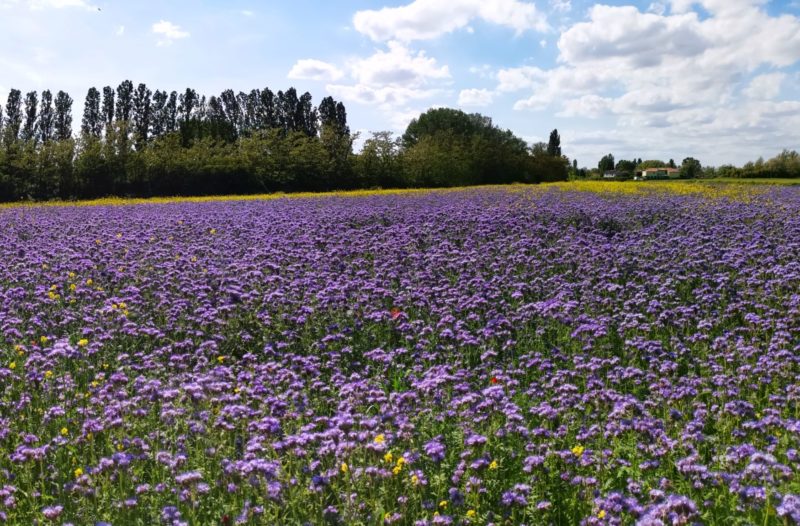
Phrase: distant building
[658,173]
[610,174]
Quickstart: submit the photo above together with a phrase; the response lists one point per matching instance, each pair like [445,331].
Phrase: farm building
[658,173]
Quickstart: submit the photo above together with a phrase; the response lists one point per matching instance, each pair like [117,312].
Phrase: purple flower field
[489,356]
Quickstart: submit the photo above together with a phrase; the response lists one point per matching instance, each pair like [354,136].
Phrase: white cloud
[427,19]
[664,81]
[386,97]
[311,69]
[484,71]
[120,31]
[398,66]
[562,6]
[169,32]
[766,86]
[475,97]
[392,77]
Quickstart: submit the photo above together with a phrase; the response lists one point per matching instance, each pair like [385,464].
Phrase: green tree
[107,112]
[92,122]
[31,107]
[124,105]
[606,163]
[158,122]
[62,122]
[13,119]
[554,144]
[690,168]
[46,117]
[653,163]
[625,167]
[141,115]
[378,163]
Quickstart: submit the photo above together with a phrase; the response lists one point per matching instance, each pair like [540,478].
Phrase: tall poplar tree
[46,117]
[92,122]
[62,125]
[13,119]
[141,115]
[108,107]
[554,144]
[124,108]
[31,109]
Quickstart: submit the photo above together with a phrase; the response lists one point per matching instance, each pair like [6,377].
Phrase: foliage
[606,163]
[134,141]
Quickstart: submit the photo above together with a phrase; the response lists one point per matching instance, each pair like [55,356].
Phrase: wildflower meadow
[562,355]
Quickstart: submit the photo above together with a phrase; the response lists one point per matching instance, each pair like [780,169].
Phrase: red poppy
[395,312]
[494,380]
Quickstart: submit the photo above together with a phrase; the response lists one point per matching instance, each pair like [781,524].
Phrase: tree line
[132,141]
[784,165]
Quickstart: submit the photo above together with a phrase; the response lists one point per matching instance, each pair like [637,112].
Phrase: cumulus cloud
[312,69]
[766,86]
[168,32]
[676,73]
[427,19]
[475,97]
[392,77]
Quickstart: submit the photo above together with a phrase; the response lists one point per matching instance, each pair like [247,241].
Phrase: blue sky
[718,80]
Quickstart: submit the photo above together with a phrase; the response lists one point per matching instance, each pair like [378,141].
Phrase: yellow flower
[220,359]
[44,340]
[387,457]
[387,516]
[380,439]
[48,374]
[95,383]
[443,504]
[89,282]
[493,465]
[471,514]
[71,275]
[72,287]
[237,390]
[83,342]
[89,436]
[344,467]
[53,287]
[397,469]
[78,473]
[414,480]
[12,365]
[601,514]
[401,461]
[64,431]
[119,235]
[213,231]
[578,451]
